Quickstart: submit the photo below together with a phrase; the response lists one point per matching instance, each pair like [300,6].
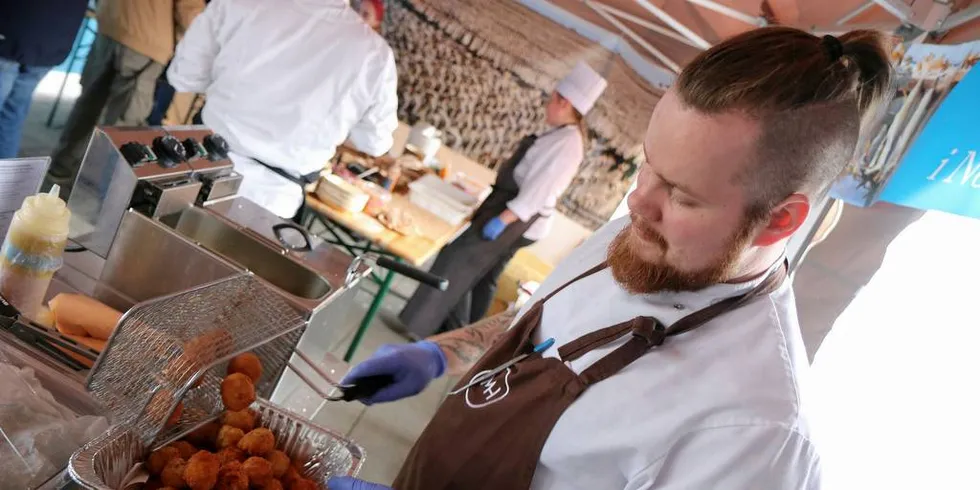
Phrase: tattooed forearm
[465,346]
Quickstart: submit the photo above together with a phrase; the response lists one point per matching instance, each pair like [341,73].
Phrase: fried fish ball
[229,436]
[198,353]
[258,470]
[272,484]
[231,454]
[304,484]
[232,477]
[247,364]
[243,419]
[158,459]
[201,472]
[280,463]
[205,435]
[237,392]
[156,485]
[186,449]
[258,442]
[159,406]
[173,473]
[292,474]
[208,347]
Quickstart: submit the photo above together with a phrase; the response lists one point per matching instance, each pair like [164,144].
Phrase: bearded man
[665,352]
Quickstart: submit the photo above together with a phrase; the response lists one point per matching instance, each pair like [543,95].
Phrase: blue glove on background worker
[493,229]
[412,366]
[348,483]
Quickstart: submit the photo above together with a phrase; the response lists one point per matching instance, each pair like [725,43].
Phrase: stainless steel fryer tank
[243,249]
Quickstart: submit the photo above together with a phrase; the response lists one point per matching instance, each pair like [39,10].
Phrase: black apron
[302,181]
[469,258]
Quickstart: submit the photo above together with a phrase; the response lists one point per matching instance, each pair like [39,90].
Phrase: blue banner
[941,171]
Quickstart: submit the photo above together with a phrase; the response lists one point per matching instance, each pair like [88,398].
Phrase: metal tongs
[423,277]
[364,388]
[367,386]
[354,269]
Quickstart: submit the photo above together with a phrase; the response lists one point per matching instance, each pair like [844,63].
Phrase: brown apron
[491,435]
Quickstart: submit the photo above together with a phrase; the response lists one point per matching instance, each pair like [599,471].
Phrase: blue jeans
[17,84]
[162,98]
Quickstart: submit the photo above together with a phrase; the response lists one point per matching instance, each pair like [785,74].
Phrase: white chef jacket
[718,407]
[543,174]
[286,82]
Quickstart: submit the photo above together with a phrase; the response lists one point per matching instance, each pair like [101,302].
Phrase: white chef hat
[582,87]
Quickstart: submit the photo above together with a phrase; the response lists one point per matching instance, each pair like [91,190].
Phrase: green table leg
[369,316]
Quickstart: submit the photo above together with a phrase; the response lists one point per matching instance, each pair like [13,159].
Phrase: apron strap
[301,181]
[700,317]
[641,326]
[578,278]
[537,309]
[649,333]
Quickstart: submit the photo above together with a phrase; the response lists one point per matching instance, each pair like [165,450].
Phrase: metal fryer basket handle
[320,372]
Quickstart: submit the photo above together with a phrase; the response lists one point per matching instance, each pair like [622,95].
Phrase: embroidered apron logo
[490,391]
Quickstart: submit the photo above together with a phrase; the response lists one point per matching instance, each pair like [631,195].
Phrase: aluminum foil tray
[176,348]
[103,463]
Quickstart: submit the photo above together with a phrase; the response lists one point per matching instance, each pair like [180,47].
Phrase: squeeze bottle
[32,250]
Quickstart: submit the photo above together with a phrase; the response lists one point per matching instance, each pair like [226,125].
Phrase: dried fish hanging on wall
[473,71]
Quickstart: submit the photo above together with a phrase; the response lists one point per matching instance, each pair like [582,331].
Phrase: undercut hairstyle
[809,95]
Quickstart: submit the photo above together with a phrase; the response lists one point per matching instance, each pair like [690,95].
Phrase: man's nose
[646,203]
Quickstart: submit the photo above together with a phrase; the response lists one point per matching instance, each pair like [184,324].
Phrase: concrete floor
[386,432]
[827,281]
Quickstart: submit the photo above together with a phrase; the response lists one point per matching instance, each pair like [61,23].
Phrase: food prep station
[158,232]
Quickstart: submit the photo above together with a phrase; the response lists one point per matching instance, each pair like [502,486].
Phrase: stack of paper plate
[339,193]
[442,199]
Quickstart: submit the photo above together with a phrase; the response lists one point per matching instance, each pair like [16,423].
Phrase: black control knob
[216,146]
[194,149]
[169,150]
[136,153]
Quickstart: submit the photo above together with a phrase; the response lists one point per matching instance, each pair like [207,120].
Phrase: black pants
[473,306]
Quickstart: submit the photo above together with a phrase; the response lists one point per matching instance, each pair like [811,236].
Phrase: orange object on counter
[77,314]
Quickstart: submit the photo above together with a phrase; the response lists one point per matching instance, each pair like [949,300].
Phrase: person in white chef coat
[286,83]
[665,352]
[517,213]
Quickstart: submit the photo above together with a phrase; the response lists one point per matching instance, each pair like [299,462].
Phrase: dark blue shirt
[39,32]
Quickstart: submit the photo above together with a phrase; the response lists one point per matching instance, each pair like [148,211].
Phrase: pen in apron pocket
[543,346]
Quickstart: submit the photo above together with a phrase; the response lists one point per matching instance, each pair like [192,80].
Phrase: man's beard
[638,276]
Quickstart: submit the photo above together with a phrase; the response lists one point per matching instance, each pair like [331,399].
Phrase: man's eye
[682,201]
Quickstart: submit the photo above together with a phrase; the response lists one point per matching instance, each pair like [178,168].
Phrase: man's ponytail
[865,53]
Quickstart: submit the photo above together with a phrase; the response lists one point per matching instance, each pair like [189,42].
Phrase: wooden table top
[415,249]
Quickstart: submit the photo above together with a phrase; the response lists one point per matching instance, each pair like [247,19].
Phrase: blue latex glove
[494,228]
[348,483]
[411,365]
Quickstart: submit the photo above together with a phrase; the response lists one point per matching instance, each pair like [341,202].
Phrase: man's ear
[784,219]
[563,102]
